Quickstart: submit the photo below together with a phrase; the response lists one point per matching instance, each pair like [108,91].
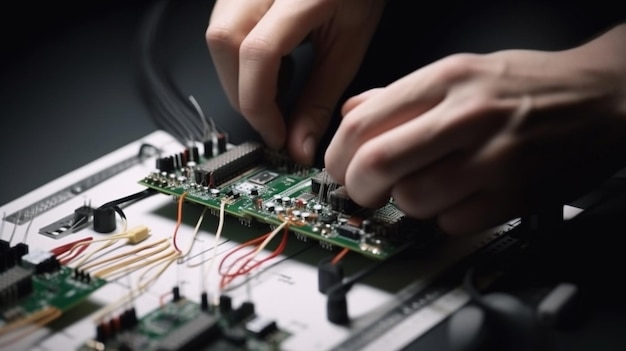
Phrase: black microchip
[263,177]
[349,231]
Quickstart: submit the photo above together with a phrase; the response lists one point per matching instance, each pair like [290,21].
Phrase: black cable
[133,197]
[336,304]
[158,94]
[172,110]
[104,216]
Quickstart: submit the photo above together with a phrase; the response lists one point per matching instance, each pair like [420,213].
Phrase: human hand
[247,40]
[477,140]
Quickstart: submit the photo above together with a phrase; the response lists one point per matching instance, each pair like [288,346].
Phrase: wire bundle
[180,116]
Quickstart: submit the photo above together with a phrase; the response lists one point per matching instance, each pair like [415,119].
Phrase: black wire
[133,197]
[117,204]
[339,290]
[172,110]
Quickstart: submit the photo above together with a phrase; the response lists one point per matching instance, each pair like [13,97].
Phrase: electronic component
[11,255]
[322,184]
[340,201]
[40,262]
[27,213]
[328,274]
[182,325]
[191,335]
[263,177]
[39,282]
[261,185]
[69,224]
[260,327]
[229,164]
[15,283]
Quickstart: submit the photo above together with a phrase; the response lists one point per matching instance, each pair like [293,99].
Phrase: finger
[427,192]
[228,26]
[356,100]
[336,63]
[281,30]
[478,212]
[392,106]
[438,133]
[387,158]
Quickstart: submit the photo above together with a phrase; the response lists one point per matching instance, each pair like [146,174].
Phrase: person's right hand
[247,40]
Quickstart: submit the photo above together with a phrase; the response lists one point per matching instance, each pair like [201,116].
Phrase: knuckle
[352,126]
[220,38]
[374,160]
[458,67]
[256,48]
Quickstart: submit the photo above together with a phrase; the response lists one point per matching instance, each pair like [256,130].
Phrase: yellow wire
[126,265]
[124,254]
[31,323]
[111,240]
[140,287]
[217,237]
[218,234]
[195,232]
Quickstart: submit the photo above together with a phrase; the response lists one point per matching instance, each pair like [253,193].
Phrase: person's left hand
[477,140]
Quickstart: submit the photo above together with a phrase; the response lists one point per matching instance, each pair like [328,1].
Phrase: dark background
[70,83]
[69,70]
[70,92]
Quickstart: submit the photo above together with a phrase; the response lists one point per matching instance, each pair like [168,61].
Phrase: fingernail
[308,147]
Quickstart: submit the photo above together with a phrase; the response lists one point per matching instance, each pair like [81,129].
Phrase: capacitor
[300,203]
[258,203]
[286,201]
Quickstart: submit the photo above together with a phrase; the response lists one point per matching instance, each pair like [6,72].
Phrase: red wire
[78,252]
[239,247]
[67,247]
[227,278]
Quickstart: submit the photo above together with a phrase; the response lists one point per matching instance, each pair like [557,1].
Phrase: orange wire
[179,220]
[340,255]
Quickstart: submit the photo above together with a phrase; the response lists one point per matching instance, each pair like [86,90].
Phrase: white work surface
[283,289]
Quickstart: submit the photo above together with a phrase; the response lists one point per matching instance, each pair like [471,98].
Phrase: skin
[470,140]
[248,39]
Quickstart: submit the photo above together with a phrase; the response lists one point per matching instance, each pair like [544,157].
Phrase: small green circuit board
[269,189]
[60,289]
[184,325]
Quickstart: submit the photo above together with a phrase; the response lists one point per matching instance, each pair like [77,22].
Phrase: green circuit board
[185,325]
[256,184]
[61,289]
